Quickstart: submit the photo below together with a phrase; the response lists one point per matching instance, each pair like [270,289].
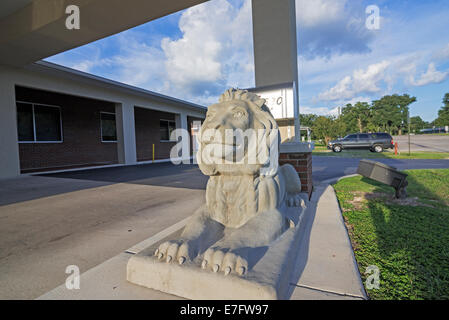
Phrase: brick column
[299,155]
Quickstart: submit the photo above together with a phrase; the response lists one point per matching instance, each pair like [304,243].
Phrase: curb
[347,232]
[336,179]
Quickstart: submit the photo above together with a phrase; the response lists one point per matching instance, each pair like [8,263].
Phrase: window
[363,136]
[25,126]
[108,127]
[351,136]
[166,128]
[38,123]
[381,135]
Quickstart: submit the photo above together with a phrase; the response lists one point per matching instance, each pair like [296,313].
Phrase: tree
[416,124]
[443,113]
[356,117]
[307,120]
[349,117]
[322,128]
[363,114]
[389,113]
[327,128]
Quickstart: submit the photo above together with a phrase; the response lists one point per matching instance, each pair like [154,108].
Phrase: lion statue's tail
[292,181]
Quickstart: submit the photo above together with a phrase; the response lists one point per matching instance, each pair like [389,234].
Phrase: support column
[9,148]
[275,62]
[274,37]
[126,133]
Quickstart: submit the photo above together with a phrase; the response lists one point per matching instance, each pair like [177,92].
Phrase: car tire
[378,148]
[336,148]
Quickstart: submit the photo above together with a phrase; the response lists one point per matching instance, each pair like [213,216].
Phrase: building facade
[56,118]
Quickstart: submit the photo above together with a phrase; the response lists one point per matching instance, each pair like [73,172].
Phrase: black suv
[375,142]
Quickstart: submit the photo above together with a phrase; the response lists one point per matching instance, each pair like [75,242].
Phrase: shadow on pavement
[158,174]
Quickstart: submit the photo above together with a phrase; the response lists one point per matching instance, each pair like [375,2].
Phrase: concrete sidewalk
[325,268]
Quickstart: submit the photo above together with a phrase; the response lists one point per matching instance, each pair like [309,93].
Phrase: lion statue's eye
[238,114]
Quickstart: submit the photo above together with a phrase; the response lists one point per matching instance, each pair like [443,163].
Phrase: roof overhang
[55,70]
[31,30]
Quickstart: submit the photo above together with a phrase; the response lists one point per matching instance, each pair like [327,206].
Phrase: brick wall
[302,162]
[81,134]
[147,132]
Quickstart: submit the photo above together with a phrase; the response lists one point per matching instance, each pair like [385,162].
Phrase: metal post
[296,113]
[408,119]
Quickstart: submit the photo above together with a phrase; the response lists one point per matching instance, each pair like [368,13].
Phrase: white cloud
[361,81]
[84,66]
[442,54]
[313,13]
[321,111]
[331,27]
[214,52]
[430,76]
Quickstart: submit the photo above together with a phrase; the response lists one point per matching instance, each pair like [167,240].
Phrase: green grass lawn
[407,240]
[434,134]
[323,151]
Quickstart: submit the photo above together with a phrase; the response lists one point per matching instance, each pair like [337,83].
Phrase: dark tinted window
[381,135]
[25,127]
[363,136]
[37,122]
[351,136]
[48,123]
[166,128]
[108,127]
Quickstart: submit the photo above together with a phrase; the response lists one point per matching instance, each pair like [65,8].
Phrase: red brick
[147,134]
[292,162]
[80,129]
[297,156]
[301,169]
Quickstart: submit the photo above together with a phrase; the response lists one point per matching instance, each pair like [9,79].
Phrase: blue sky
[197,53]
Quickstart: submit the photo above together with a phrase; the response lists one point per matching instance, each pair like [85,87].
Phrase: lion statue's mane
[236,193]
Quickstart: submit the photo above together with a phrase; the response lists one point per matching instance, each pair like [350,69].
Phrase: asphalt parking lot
[85,218]
[423,142]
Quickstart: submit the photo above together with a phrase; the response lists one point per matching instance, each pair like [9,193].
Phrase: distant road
[324,168]
[423,142]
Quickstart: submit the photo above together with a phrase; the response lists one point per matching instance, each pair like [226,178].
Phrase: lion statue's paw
[175,250]
[295,200]
[225,260]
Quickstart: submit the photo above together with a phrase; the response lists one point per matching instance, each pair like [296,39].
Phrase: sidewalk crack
[328,291]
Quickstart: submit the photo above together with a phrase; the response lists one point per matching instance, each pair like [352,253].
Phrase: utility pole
[408,120]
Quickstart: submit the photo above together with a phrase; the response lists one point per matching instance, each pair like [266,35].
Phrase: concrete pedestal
[299,155]
[269,278]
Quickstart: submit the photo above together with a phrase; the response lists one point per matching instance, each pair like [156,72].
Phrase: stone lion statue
[246,203]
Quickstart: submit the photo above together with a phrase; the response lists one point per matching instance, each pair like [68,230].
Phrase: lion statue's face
[234,134]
